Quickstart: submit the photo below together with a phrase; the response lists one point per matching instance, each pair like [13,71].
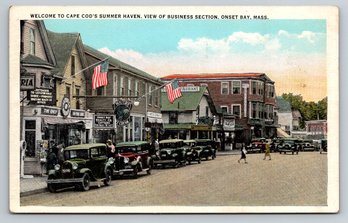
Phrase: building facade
[284,113]
[316,129]
[126,85]
[250,97]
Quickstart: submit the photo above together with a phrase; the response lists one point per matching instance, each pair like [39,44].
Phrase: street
[286,180]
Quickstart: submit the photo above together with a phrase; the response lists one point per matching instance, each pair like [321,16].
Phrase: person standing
[267,151]
[52,159]
[243,154]
[111,149]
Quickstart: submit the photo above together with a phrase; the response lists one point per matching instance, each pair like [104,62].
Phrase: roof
[283,105]
[31,59]
[211,75]
[189,101]
[134,143]
[118,64]
[84,146]
[170,141]
[62,45]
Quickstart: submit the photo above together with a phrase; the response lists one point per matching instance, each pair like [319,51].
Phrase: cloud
[250,38]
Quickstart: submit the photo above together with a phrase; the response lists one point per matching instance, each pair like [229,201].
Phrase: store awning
[180,126]
[282,134]
[60,121]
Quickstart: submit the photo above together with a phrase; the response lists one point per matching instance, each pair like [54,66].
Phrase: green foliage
[309,110]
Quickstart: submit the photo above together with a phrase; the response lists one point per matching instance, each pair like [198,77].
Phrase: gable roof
[117,64]
[62,45]
[189,101]
[34,60]
[283,105]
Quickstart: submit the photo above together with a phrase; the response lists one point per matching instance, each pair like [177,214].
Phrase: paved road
[284,180]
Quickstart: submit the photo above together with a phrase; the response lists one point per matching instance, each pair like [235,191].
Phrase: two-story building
[126,85]
[250,97]
[191,116]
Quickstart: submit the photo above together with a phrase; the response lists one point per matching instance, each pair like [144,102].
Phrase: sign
[104,121]
[27,82]
[49,111]
[229,124]
[41,96]
[200,128]
[122,111]
[77,113]
[65,107]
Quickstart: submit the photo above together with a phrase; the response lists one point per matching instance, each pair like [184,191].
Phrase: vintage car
[193,154]
[83,163]
[206,147]
[257,145]
[132,158]
[307,145]
[288,145]
[171,152]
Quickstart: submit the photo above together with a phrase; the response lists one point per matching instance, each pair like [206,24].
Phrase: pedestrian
[243,154]
[111,149]
[60,153]
[267,151]
[52,159]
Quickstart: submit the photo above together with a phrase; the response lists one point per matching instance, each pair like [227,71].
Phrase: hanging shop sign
[104,121]
[77,113]
[122,111]
[41,96]
[49,111]
[27,82]
[65,107]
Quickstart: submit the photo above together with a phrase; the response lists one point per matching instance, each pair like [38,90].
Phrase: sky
[290,52]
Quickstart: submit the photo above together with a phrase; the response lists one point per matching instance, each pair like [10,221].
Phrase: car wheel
[84,186]
[189,162]
[51,187]
[108,175]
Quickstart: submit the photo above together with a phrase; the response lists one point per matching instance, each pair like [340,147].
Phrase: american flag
[100,75]
[173,91]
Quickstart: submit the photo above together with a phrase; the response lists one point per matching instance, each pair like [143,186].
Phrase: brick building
[316,129]
[250,97]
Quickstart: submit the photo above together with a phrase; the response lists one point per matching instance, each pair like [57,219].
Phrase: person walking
[243,154]
[267,151]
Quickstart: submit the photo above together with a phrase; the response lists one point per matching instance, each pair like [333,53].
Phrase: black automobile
[307,145]
[257,145]
[84,163]
[171,153]
[288,145]
[193,153]
[206,147]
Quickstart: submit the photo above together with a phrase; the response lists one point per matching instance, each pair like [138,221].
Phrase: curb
[32,192]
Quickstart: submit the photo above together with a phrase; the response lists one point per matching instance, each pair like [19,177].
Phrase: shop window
[236,87]
[32,41]
[30,137]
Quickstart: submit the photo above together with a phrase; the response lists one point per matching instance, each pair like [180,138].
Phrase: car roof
[203,140]
[84,146]
[171,141]
[134,143]
[189,140]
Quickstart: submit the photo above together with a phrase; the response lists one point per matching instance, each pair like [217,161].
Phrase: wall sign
[104,121]
[65,107]
[49,111]
[41,96]
[122,111]
[27,82]
[76,113]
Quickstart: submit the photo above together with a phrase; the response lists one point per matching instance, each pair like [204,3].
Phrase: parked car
[323,146]
[193,153]
[288,145]
[132,158]
[83,163]
[257,145]
[171,152]
[206,147]
[307,145]
[274,144]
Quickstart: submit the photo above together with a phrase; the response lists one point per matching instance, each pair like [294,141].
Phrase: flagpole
[90,66]
[139,98]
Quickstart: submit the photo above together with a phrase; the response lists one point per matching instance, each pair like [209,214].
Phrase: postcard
[174,109]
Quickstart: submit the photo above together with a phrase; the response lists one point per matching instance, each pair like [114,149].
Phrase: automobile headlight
[74,166]
[126,160]
[57,167]
[175,154]
[169,152]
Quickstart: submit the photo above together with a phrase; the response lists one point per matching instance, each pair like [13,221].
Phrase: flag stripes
[100,75]
[173,91]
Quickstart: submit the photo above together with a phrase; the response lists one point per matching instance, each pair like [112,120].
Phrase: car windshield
[72,154]
[127,149]
[168,145]
[207,143]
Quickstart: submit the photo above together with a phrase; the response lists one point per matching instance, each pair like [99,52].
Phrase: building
[250,97]
[284,113]
[126,84]
[316,129]
[193,115]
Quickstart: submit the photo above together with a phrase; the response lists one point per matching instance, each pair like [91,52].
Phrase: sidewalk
[37,184]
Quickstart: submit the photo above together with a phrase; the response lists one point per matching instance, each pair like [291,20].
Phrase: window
[253,110]
[206,111]
[224,109]
[67,92]
[260,110]
[45,80]
[72,71]
[190,85]
[173,118]
[150,95]
[129,87]
[156,97]
[224,88]
[100,91]
[235,87]
[32,41]
[254,87]
[261,86]
[204,85]
[121,86]
[136,88]
[236,110]
[77,98]
[30,138]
